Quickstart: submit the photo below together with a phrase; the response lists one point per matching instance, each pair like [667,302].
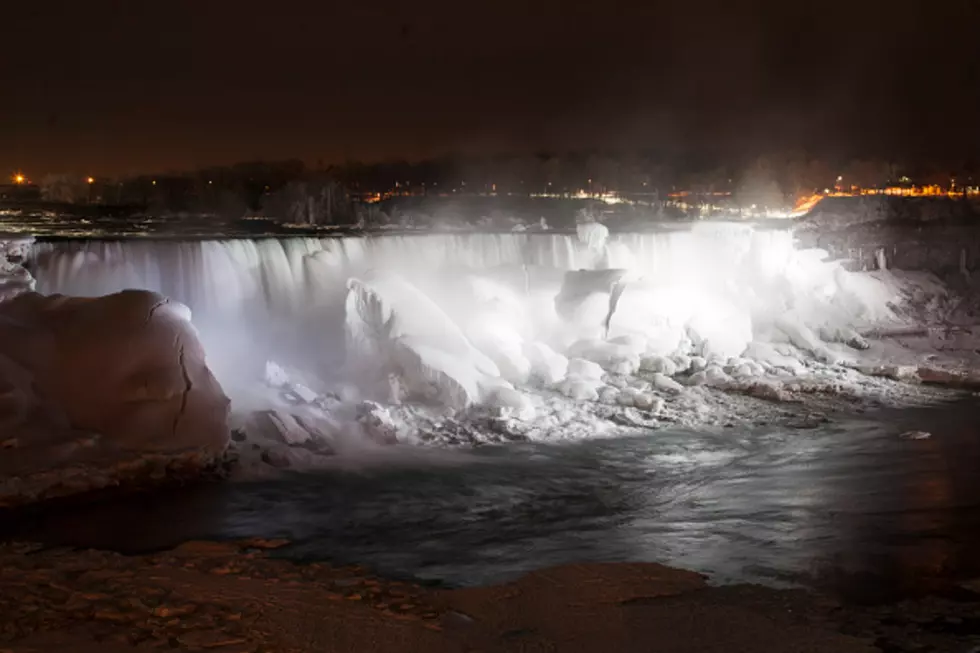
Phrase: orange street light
[19,178]
[91,180]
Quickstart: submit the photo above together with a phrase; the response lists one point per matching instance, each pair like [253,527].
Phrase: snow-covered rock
[647,401]
[99,391]
[547,365]
[608,395]
[14,277]
[698,364]
[661,364]
[579,367]
[627,396]
[377,423]
[626,366]
[580,388]
[682,363]
[512,403]
[664,383]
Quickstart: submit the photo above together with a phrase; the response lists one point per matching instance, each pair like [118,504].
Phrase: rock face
[101,391]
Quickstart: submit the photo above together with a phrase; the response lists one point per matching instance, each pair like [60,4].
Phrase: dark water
[850,507]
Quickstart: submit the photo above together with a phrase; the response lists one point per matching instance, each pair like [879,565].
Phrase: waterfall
[283,298]
[288,274]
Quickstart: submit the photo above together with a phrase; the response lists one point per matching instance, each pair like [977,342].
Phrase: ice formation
[528,326]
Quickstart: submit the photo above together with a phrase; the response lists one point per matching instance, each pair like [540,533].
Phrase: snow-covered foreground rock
[97,392]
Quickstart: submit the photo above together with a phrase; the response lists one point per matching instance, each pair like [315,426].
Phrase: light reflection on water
[849,507]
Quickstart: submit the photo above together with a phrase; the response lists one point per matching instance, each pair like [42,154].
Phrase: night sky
[112,87]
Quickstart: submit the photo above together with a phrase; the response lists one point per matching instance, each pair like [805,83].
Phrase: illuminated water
[849,507]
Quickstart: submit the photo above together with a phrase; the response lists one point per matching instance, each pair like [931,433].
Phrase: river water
[849,508]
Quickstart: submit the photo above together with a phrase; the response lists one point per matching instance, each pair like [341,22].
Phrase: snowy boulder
[627,396]
[377,423]
[682,363]
[715,376]
[664,383]
[99,391]
[280,426]
[647,401]
[512,403]
[804,338]
[625,366]
[766,353]
[579,367]
[698,378]
[547,365]
[580,388]
[608,395]
[660,364]
[275,376]
[698,364]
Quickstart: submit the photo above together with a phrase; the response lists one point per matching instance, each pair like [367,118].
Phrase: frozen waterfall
[710,290]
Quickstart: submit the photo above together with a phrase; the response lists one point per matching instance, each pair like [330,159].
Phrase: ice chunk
[666,384]
[512,403]
[579,388]
[764,352]
[377,422]
[661,364]
[433,374]
[608,394]
[546,364]
[275,376]
[579,367]
[682,363]
[647,401]
[624,366]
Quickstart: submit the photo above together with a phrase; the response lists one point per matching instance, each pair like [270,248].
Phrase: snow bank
[96,391]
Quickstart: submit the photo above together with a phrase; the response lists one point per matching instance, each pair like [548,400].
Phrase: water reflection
[849,507]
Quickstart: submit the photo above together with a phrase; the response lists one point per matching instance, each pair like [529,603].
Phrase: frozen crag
[98,392]
[395,329]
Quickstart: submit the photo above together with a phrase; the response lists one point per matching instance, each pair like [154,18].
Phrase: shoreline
[233,597]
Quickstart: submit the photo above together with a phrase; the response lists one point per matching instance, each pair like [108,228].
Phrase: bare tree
[311,202]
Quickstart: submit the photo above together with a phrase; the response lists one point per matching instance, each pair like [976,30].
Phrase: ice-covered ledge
[14,277]
[96,392]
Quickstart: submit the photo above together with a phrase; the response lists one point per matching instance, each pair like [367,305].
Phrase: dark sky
[116,86]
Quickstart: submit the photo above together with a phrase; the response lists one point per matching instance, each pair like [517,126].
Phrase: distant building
[20,192]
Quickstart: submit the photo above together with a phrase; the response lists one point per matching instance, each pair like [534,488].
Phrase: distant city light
[154,182]
[91,180]
[19,178]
